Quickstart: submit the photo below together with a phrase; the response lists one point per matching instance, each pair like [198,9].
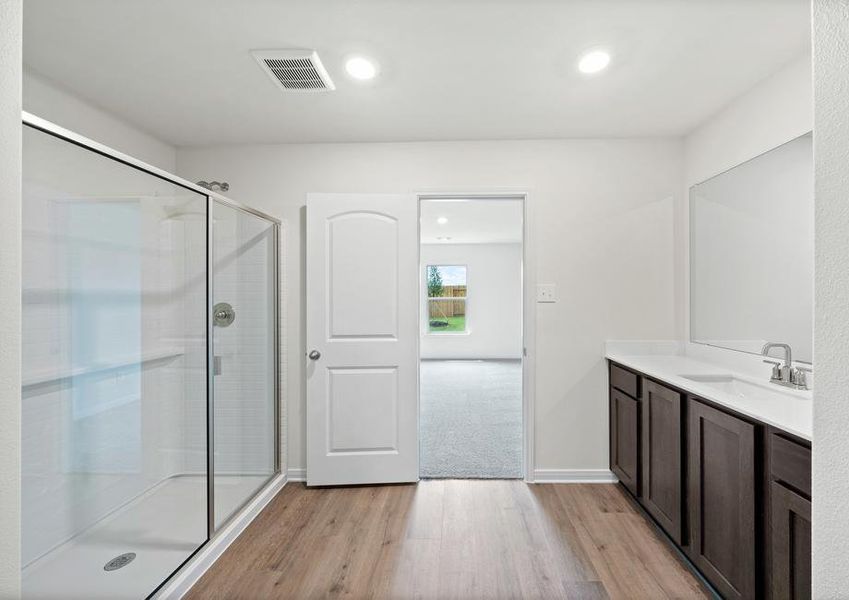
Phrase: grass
[455,324]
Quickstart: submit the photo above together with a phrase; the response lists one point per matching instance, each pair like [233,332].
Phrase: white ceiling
[450,69]
[471,221]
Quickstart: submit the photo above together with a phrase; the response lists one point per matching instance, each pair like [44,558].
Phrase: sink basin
[729,384]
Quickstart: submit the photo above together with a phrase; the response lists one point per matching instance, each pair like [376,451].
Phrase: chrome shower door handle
[314,355]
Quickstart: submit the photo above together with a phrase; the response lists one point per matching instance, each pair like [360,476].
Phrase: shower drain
[119,561]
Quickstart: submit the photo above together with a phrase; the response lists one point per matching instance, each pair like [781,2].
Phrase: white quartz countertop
[787,409]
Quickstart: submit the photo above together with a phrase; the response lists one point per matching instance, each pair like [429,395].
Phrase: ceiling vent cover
[295,70]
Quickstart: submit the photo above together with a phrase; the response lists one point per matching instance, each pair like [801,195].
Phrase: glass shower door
[114,395]
[244,339]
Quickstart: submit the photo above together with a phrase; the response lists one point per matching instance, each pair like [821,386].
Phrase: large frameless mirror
[752,253]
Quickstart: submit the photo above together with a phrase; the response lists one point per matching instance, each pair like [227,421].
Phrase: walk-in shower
[146,422]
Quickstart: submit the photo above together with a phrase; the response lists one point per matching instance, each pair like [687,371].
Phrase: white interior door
[362,339]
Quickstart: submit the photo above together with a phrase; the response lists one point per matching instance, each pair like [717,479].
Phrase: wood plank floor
[449,539]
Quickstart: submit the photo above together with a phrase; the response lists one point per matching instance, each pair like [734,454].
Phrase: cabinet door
[791,544]
[721,452]
[661,473]
[624,439]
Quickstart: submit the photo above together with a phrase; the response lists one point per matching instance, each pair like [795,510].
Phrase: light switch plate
[546,292]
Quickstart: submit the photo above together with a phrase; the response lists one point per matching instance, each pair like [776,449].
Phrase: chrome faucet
[786,374]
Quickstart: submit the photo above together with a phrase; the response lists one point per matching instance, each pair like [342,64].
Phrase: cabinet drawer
[624,380]
[790,463]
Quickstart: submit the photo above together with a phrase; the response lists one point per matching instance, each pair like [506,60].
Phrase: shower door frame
[210,240]
[50,128]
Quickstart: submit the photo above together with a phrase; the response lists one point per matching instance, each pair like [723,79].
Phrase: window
[446,299]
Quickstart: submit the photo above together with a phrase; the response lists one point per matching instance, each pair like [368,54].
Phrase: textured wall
[831,324]
[10,296]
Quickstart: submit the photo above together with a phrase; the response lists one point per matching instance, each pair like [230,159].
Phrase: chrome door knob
[314,355]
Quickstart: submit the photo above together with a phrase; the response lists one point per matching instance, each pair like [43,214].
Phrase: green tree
[434,282]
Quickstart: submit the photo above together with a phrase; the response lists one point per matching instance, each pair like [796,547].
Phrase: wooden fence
[444,306]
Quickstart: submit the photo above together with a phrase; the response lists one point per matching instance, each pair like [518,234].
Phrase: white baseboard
[297,474]
[540,475]
[574,476]
[469,358]
[192,571]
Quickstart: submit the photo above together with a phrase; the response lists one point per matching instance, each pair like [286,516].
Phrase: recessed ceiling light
[593,61]
[360,68]
[442,220]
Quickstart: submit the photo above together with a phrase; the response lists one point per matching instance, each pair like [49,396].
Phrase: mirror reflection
[752,253]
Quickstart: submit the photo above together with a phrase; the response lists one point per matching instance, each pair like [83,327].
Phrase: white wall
[10,297]
[47,100]
[601,228]
[831,326]
[493,304]
[774,111]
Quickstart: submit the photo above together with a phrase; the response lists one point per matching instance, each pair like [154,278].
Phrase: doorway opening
[471,400]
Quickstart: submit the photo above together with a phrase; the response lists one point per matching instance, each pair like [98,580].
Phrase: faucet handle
[776,369]
[800,377]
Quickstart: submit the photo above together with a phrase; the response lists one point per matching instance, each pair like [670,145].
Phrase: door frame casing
[528,307]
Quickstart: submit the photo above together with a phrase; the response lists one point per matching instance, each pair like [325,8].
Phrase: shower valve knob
[223,314]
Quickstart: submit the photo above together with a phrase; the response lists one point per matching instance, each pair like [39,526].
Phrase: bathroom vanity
[713,447]
[722,464]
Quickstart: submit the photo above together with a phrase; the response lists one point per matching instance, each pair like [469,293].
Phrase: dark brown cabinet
[789,528]
[625,427]
[791,544]
[790,463]
[732,493]
[624,439]
[662,493]
[722,499]
[625,381]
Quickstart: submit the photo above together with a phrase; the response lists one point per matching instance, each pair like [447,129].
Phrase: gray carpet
[471,419]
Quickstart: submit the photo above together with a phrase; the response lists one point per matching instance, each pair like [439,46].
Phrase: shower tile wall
[193,419]
[244,407]
[48,455]
[244,390]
